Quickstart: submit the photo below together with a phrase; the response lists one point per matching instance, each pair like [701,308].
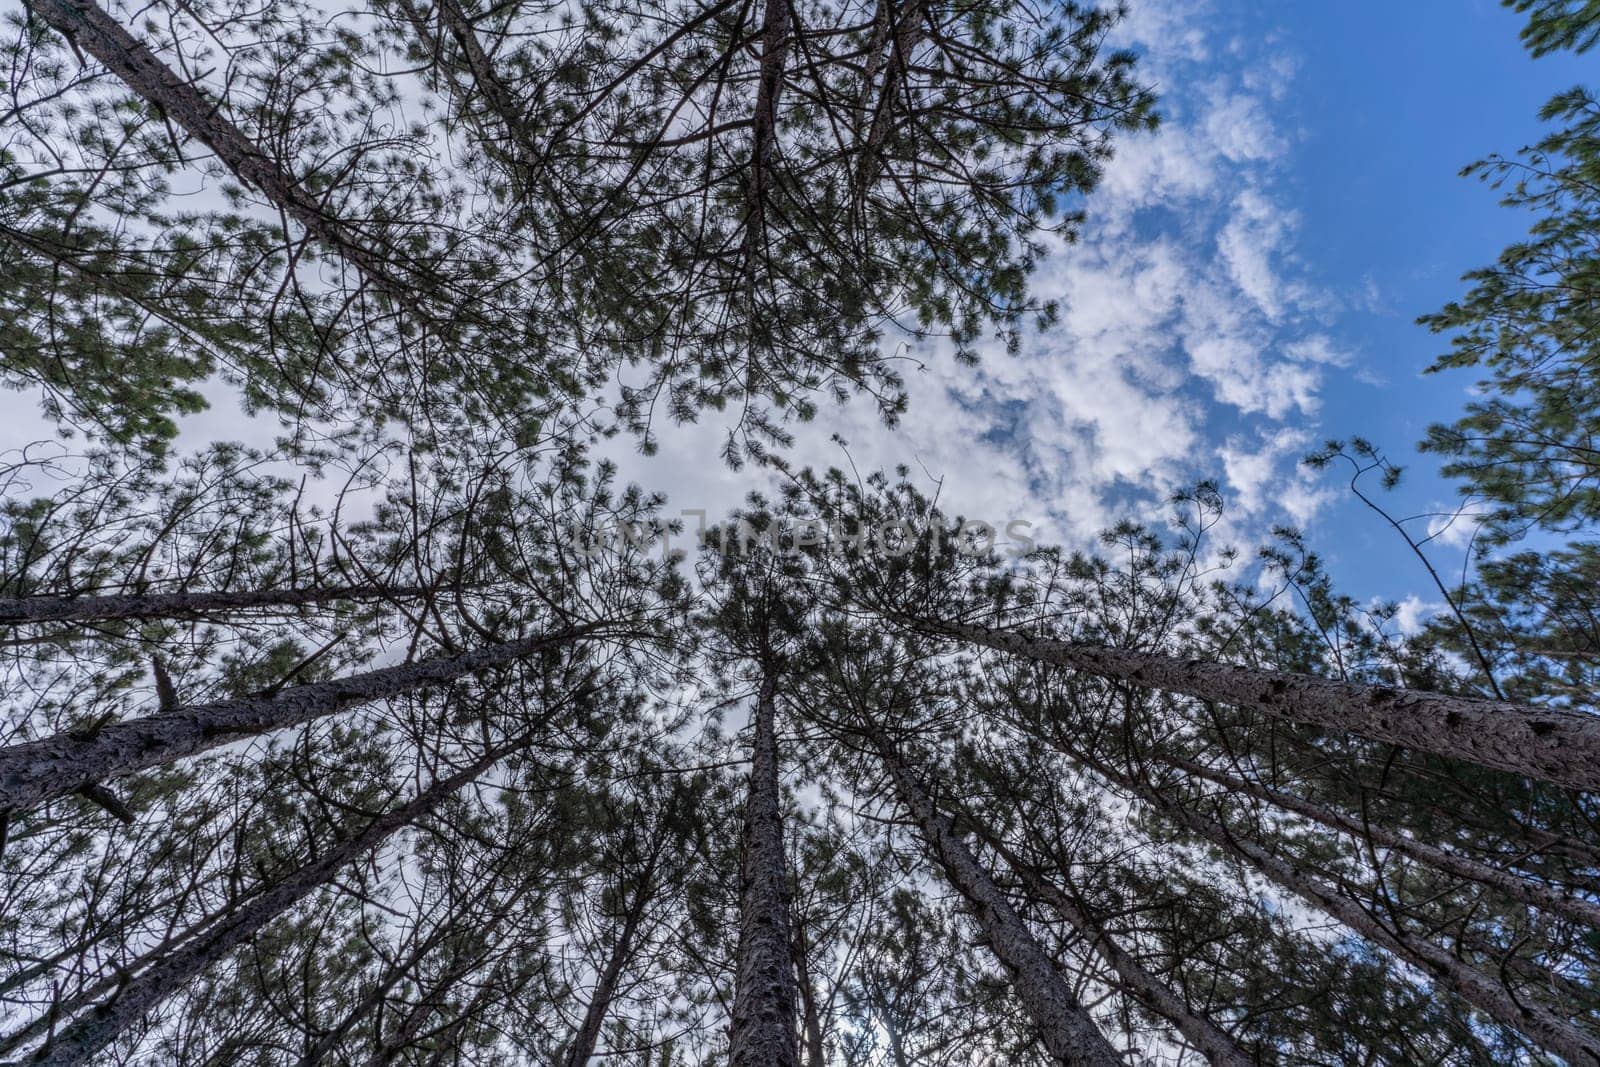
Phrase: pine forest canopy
[458,764]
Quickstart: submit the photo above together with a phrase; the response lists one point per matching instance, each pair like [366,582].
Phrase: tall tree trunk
[31,609]
[90,28]
[764,991]
[1453,863]
[500,95]
[108,983]
[777,20]
[1145,987]
[375,995]
[810,1014]
[1065,1027]
[1549,744]
[605,991]
[99,1027]
[37,771]
[905,19]
[1538,1024]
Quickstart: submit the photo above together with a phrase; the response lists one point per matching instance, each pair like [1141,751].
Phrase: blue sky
[1390,100]
[1247,286]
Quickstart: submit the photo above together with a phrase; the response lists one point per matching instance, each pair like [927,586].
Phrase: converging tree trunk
[897,33]
[37,771]
[1549,744]
[777,21]
[810,1014]
[90,28]
[1514,886]
[764,1033]
[605,991]
[83,998]
[96,1029]
[1139,983]
[1063,1024]
[1538,1024]
[37,609]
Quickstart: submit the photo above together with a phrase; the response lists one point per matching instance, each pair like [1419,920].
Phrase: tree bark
[764,1033]
[1549,744]
[777,18]
[106,984]
[38,771]
[594,1016]
[1538,1024]
[1145,987]
[810,1015]
[901,40]
[96,1029]
[1453,863]
[90,28]
[34,609]
[1064,1026]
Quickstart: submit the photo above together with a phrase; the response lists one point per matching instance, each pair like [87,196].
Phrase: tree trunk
[764,992]
[1066,1029]
[37,771]
[1549,744]
[105,985]
[605,991]
[90,28]
[906,18]
[777,19]
[1145,987]
[810,1015]
[1517,888]
[1538,1024]
[99,1027]
[32,609]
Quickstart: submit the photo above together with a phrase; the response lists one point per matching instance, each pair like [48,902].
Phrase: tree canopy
[419,737]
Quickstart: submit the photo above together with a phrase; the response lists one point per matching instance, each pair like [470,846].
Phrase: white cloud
[1457,526]
[1189,345]
[1247,244]
[1413,612]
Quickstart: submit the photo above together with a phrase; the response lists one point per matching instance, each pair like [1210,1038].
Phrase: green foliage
[1526,445]
[1558,24]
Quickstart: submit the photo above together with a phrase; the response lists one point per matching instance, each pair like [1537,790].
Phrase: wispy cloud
[1189,345]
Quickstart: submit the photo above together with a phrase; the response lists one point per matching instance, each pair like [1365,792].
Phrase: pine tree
[437,772]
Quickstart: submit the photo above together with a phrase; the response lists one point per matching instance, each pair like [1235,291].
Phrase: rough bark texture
[1149,990]
[182,605]
[777,19]
[500,96]
[1549,744]
[1538,1024]
[1514,886]
[37,771]
[101,987]
[764,1033]
[94,31]
[1065,1028]
[98,1028]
